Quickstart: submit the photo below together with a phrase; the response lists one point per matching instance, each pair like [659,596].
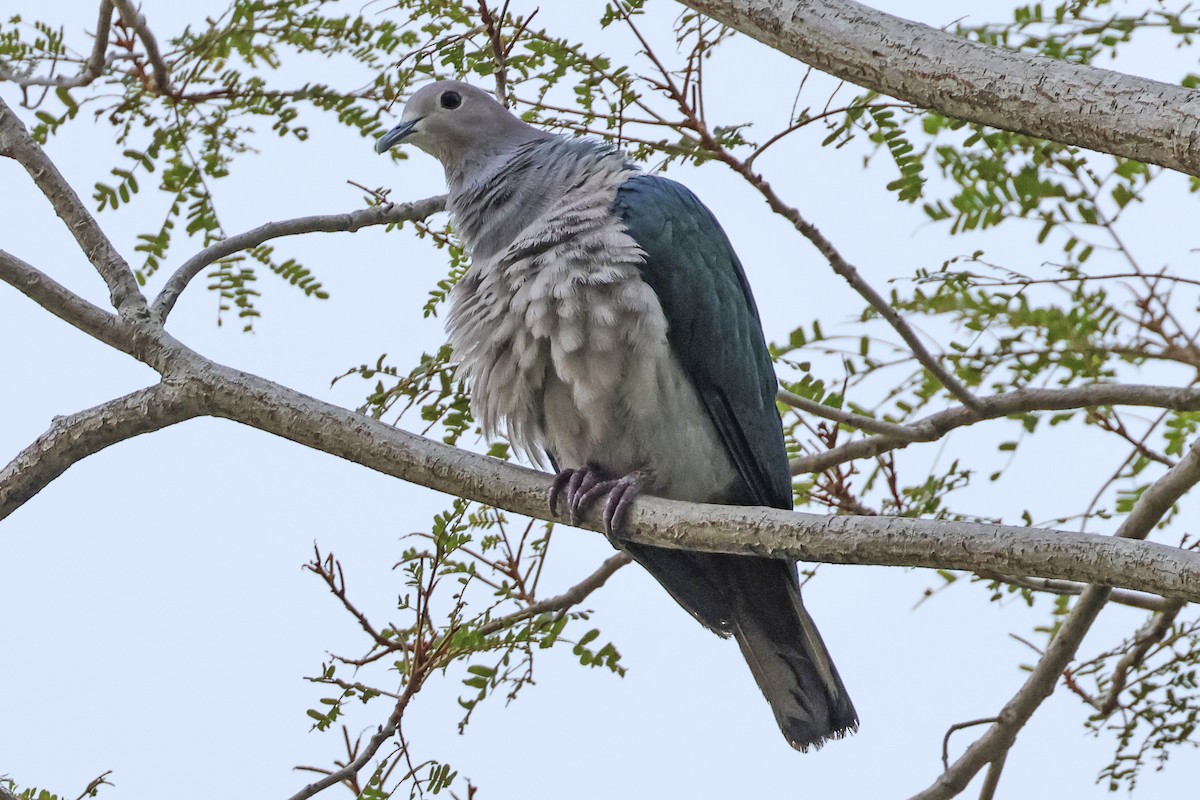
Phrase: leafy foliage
[1149,703]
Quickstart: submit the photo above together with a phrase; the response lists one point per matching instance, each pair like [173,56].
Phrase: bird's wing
[713,327]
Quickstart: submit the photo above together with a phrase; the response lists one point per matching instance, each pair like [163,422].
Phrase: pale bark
[1128,116]
[16,143]
[209,389]
[72,438]
[136,21]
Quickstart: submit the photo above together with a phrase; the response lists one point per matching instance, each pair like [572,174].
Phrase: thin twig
[572,597]
[795,126]
[934,426]
[848,417]
[1146,602]
[93,68]
[328,223]
[958,726]
[94,785]
[850,274]
[493,26]
[330,570]
[1151,633]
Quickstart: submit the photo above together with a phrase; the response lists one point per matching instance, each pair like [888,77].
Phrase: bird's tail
[785,652]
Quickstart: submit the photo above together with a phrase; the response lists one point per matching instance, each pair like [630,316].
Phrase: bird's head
[457,124]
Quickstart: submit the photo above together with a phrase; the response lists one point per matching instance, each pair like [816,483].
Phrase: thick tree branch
[326,223]
[1142,566]
[16,143]
[993,746]
[1131,117]
[73,438]
[935,426]
[65,304]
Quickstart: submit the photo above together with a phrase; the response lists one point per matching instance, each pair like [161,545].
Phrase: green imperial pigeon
[606,325]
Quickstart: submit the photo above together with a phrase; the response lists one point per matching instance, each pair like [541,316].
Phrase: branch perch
[1065,555]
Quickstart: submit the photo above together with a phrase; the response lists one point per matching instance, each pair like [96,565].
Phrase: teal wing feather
[713,328]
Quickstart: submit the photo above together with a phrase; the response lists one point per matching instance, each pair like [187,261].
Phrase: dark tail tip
[801,734]
[784,651]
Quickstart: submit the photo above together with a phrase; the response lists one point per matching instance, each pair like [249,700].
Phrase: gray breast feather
[564,346]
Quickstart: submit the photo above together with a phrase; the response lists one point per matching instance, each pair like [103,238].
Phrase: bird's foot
[582,487]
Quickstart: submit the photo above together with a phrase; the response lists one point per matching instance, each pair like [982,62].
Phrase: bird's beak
[395,135]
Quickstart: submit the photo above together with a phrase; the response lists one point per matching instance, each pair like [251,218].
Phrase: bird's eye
[451,100]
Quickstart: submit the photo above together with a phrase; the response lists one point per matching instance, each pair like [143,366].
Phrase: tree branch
[385,732]
[1144,120]
[935,426]
[992,779]
[1142,566]
[1151,634]
[97,62]
[92,68]
[891,429]
[73,438]
[993,746]
[65,304]
[136,21]
[572,597]
[16,143]
[327,223]
[1146,602]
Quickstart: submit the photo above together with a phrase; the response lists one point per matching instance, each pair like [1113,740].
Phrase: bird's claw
[582,487]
